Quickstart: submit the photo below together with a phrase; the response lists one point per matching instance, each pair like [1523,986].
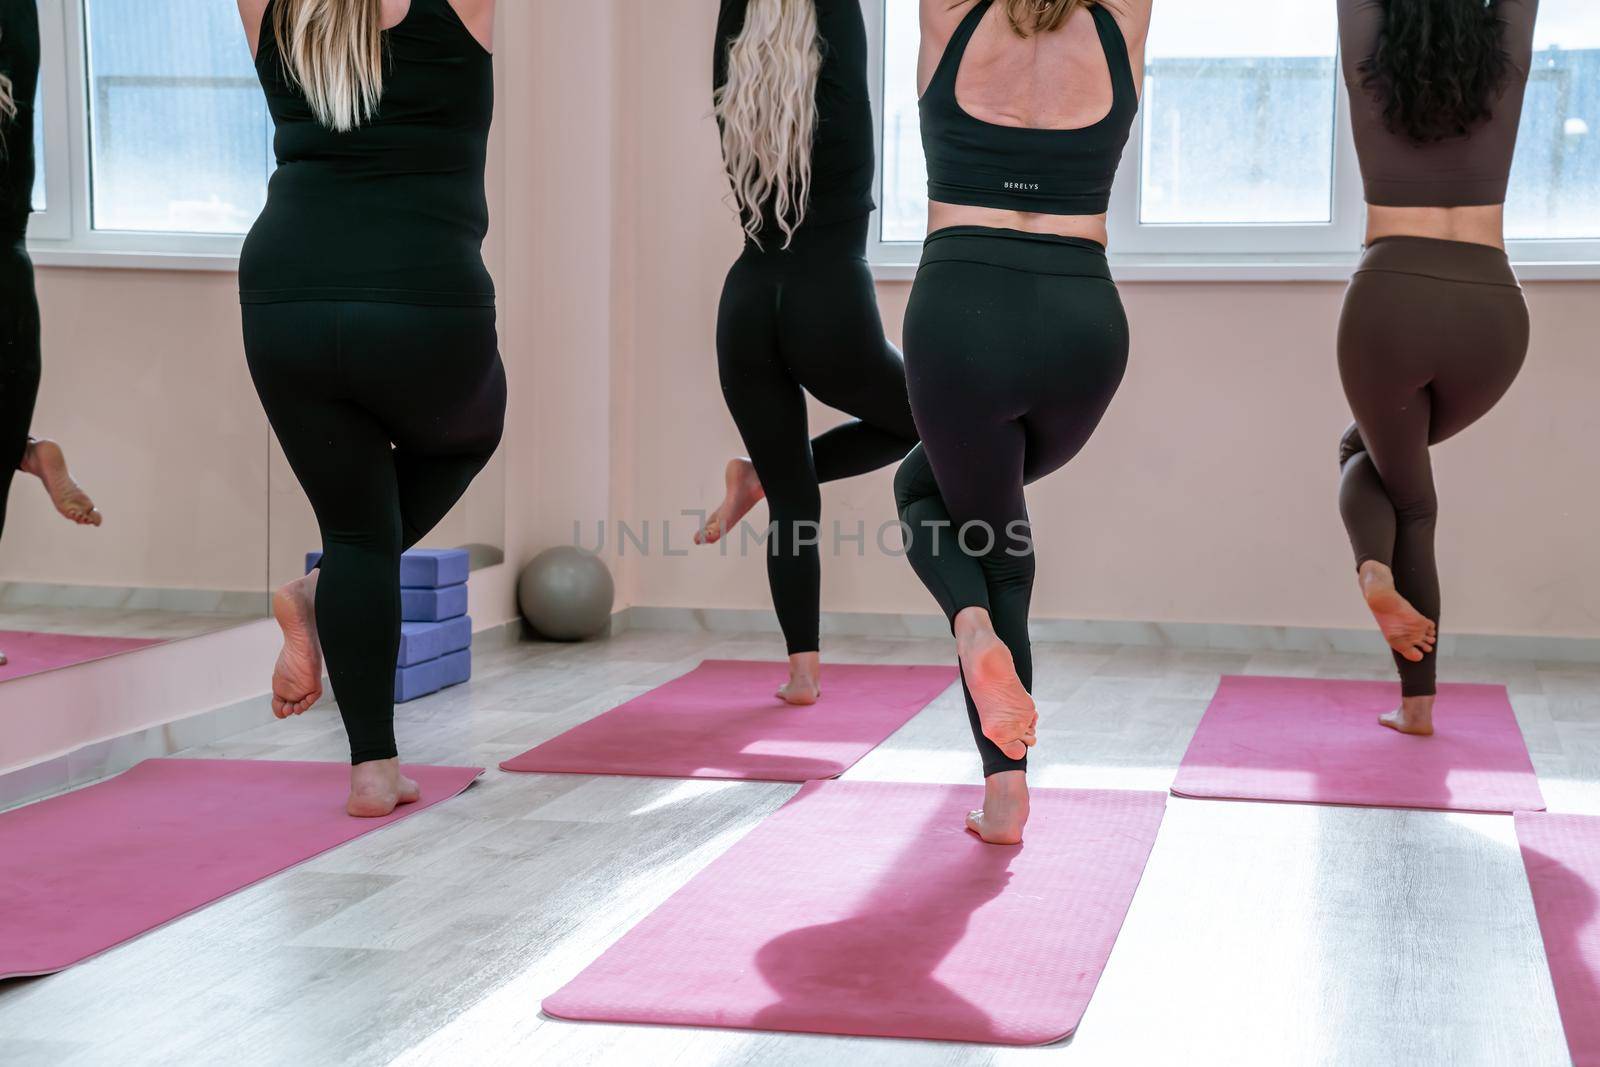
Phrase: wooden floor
[1262,934]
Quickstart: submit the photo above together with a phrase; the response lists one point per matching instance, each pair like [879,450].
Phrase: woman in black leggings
[19,302]
[19,310]
[1015,336]
[799,312]
[1435,328]
[369,326]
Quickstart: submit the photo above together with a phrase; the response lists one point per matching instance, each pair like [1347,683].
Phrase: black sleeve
[730,21]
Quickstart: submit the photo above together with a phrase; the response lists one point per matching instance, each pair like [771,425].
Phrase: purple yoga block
[430,677]
[433,605]
[422,641]
[424,568]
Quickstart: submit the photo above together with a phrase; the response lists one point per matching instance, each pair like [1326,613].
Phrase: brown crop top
[1458,172]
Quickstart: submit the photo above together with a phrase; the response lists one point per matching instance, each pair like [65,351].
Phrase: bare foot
[1407,630]
[1005,809]
[377,787]
[1005,709]
[45,461]
[297,679]
[805,680]
[744,490]
[1413,716]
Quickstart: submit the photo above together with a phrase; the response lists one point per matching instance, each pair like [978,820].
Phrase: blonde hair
[333,51]
[8,105]
[1041,16]
[768,112]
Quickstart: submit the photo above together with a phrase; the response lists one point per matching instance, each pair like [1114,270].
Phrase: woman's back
[1451,186]
[1026,132]
[842,159]
[19,62]
[393,209]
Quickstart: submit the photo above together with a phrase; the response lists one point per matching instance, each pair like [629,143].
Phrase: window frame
[64,235]
[1219,251]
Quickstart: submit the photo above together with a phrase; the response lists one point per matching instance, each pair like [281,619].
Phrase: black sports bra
[1018,168]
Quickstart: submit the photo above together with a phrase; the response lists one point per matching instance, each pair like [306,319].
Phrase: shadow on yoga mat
[1317,741]
[916,930]
[85,871]
[721,720]
[1562,856]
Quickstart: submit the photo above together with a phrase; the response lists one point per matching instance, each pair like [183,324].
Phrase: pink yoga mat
[88,870]
[33,653]
[1562,855]
[865,908]
[1318,741]
[721,720]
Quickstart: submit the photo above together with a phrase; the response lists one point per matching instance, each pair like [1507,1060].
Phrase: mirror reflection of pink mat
[85,871]
[1318,741]
[864,908]
[1562,856]
[34,653]
[721,720]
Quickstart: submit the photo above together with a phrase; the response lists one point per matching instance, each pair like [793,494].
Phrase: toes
[1014,750]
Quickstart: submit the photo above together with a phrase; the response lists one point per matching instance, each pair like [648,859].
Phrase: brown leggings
[1432,336]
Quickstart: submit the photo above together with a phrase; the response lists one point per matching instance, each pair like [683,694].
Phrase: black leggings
[19,359]
[386,413]
[1015,345]
[1432,336]
[804,320]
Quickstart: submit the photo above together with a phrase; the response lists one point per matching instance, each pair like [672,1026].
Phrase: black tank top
[393,210]
[1015,168]
[842,157]
[19,61]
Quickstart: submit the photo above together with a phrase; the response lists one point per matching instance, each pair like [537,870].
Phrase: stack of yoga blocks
[436,634]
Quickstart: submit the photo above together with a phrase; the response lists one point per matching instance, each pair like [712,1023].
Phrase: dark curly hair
[1438,67]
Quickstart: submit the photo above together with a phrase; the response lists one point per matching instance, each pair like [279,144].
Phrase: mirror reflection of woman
[369,324]
[1015,336]
[799,312]
[1435,328]
[19,301]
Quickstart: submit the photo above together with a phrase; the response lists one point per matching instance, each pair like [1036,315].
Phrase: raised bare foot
[744,491]
[1407,630]
[1413,716]
[377,787]
[297,679]
[805,680]
[45,461]
[1005,709]
[1005,809]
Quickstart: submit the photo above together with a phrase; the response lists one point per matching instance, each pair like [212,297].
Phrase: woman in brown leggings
[1434,329]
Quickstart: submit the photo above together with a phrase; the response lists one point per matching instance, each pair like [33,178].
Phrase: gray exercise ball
[566,594]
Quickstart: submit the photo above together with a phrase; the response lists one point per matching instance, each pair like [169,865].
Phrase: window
[153,138]
[1555,183]
[179,135]
[1242,157]
[1239,114]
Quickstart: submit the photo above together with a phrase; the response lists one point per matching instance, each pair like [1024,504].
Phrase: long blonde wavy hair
[768,112]
[1041,16]
[333,51]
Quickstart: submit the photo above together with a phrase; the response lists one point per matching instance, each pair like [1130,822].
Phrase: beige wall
[1207,495]
[145,385]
